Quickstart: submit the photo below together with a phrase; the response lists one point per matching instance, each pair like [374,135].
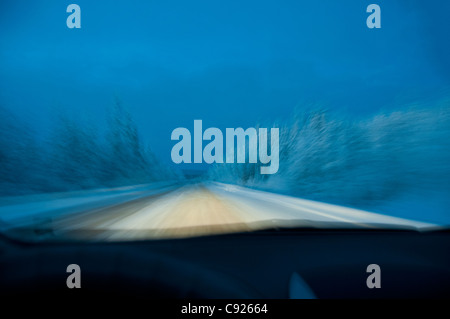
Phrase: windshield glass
[221,121]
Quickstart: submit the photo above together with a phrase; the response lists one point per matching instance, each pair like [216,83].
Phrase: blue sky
[230,63]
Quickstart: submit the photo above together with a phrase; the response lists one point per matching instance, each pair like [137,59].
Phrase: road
[169,211]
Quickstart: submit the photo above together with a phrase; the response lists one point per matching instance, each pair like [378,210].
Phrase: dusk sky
[230,63]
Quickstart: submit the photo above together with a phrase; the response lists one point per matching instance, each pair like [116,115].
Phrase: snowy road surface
[172,210]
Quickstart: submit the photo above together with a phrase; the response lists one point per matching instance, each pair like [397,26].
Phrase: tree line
[330,157]
[75,155]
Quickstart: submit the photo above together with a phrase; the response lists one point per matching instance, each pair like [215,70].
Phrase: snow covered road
[169,210]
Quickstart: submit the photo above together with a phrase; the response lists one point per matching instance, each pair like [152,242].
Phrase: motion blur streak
[203,209]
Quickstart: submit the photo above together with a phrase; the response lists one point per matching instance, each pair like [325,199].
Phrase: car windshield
[200,120]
